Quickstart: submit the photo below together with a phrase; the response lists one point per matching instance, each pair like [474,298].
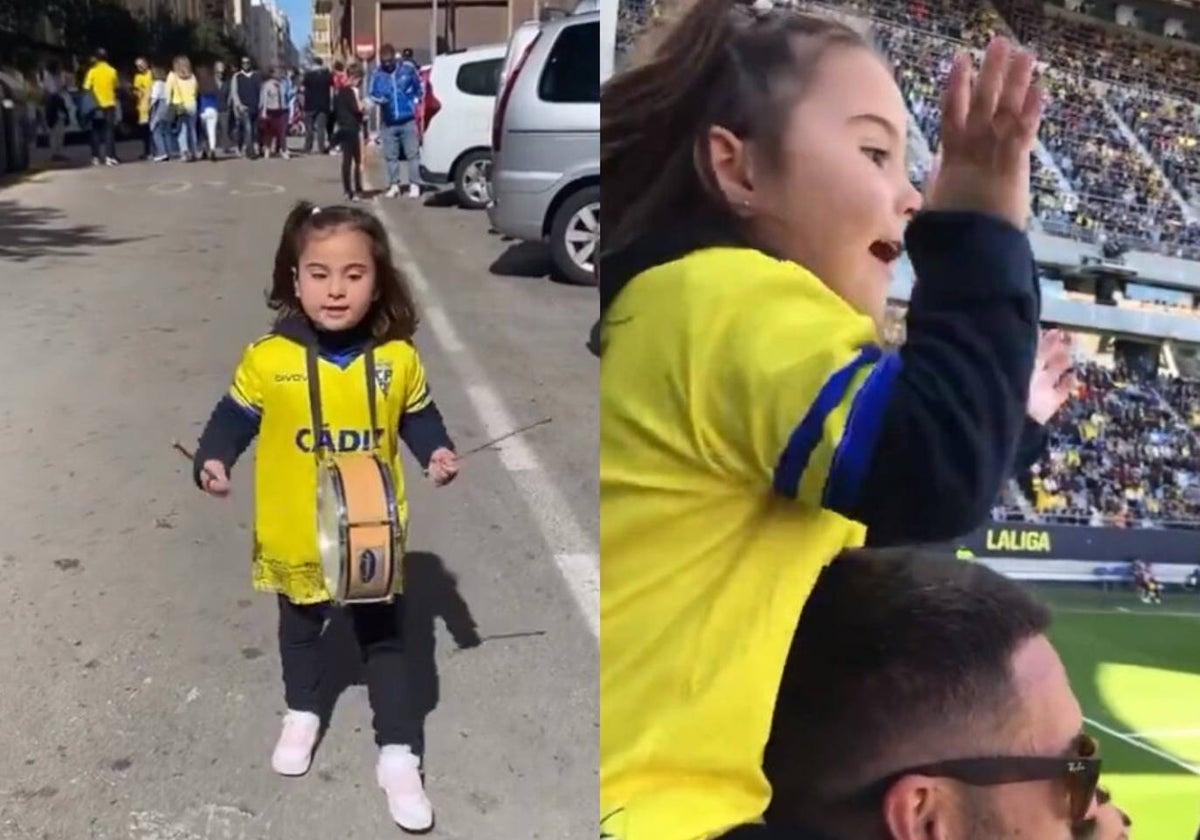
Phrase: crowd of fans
[1120,455]
[1123,452]
[1107,186]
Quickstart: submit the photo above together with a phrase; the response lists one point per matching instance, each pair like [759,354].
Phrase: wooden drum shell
[370,538]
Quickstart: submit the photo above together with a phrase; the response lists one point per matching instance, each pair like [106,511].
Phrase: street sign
[364,48]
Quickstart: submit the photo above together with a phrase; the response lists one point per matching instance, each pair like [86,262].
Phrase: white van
[456,149]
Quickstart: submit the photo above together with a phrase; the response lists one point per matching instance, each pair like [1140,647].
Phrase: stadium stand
[1118,164]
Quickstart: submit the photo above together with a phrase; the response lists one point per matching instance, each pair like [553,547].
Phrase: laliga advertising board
[1075,542]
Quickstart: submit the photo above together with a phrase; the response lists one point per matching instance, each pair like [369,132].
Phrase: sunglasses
[1080,773]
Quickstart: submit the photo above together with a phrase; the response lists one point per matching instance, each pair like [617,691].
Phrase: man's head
[100,54]
[407,54]
[247,64]
[387,56]
[904,660]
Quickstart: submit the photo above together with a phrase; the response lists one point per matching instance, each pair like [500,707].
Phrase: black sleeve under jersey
[946,436]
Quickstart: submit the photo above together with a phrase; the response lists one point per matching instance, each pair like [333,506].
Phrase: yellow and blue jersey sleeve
[416,388]
[247,388]
[802,390]
[421,426]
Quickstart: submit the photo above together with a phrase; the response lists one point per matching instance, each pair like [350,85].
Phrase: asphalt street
[141,694]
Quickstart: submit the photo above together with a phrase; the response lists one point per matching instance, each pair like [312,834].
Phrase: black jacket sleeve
[230,430]
[949,429]
[423,432]
[1031,446]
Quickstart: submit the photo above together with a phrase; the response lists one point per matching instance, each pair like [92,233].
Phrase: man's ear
[732,168]
[917,808]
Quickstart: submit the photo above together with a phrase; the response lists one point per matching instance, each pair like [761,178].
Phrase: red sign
[364,48]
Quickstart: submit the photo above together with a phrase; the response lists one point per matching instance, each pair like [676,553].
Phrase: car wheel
[473,180]
[575,237]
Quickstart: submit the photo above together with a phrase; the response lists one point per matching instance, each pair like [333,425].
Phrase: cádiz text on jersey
[339,440]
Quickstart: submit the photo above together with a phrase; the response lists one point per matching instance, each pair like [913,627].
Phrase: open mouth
[886,251]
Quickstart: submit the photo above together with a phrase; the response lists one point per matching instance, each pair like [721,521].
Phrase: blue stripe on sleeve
[843,485]
[807,434]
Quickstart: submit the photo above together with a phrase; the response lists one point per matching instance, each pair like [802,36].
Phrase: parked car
[546,142]
[457,146]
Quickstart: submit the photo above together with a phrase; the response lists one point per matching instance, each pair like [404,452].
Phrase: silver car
[546,142]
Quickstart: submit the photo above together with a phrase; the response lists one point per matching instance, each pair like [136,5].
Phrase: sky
[299,14]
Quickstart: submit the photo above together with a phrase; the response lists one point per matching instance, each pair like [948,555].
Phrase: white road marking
[1128,739]
[575,553]
[166,189]
[439,323]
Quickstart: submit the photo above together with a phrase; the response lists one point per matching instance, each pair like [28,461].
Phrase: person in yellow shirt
[101,83]
[345,312]
[143,80]
[182,96]
[751,427]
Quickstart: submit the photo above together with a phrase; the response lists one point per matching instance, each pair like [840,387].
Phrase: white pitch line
[1166,733]
[1126,611]
[1165,756]
[576,555]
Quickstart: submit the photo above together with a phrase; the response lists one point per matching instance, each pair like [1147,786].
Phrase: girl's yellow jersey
[750,430]
[271,383]
[723,374]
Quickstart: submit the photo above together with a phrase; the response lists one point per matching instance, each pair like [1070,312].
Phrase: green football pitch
[1136,671]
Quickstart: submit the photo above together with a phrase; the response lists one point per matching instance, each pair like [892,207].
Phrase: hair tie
[316,209]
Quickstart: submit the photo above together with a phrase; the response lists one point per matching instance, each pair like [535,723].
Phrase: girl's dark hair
[393,315]
[723,63]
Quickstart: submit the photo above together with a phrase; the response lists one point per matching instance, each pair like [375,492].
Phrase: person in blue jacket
[396,89]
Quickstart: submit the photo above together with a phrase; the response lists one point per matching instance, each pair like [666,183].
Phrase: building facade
[268,36]
[456,24]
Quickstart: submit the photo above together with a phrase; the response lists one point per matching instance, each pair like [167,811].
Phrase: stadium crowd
[1120,454]
[1123,143]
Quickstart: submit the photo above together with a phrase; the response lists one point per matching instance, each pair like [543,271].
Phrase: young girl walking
[348,131]
[751,425]
[337,291]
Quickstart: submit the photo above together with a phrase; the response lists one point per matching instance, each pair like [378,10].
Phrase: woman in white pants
[208,104]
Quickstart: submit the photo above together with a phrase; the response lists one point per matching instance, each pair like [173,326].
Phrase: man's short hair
[386,51]
[407,53]
[901,657]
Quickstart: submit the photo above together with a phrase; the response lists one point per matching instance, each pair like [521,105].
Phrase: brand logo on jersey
[291,377]
[339,440]
[383,377]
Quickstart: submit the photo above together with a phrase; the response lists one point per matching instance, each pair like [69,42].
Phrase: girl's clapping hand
[443,466]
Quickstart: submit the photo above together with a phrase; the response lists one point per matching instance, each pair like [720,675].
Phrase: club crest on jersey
[383,377]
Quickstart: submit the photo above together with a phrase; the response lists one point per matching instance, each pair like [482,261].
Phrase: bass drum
[359,536]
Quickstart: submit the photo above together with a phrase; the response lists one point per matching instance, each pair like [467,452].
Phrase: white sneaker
[399,774]
[293,752]
[414,191]
[393,191]
[111,161]
[96,162]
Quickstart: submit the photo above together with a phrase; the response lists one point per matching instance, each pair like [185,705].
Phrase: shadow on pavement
[523,259]
[27,233]
[430,592]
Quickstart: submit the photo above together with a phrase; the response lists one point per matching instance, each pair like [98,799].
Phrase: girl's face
[335,278]
[838,197]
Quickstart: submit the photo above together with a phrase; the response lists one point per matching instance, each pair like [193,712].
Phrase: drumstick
[187,454]
[503,437]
